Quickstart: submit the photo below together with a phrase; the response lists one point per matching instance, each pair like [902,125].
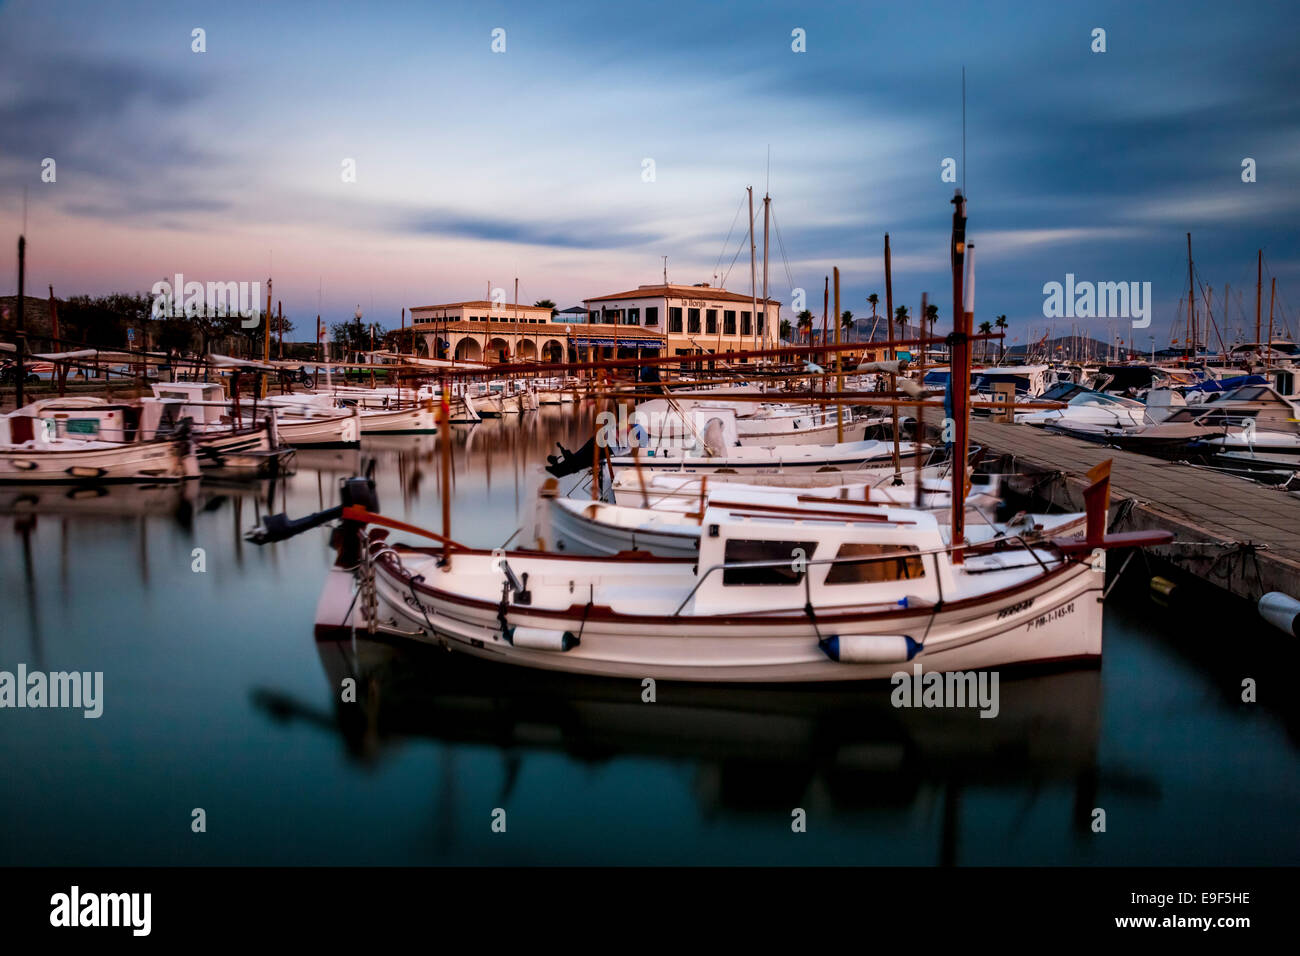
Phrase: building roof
[481,304]
[551,329]
[682,292]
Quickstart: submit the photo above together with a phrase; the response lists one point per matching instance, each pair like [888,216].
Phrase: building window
[652,315]
[729,322]
[711,322]
[693,321]
[593,317]
[746,324]
[741,550]
[633,317]
[674,319]
[762,322]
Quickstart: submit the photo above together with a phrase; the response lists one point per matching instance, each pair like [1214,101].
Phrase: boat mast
[959,379]
[1191,302]
[1259,284]
[1272,294]
[20,345]
[753,273]
[767,212]
[893,357]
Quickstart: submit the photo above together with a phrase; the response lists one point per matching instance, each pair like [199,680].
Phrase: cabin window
[792,556]
[857,563]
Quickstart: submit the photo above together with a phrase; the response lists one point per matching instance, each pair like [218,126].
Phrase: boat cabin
[764,562]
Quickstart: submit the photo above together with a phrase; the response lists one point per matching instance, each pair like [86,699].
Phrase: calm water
[217,696]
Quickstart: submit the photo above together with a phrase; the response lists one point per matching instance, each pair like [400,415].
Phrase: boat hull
[1057,617]
[133,462]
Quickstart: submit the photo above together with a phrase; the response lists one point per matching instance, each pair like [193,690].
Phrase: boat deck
[1241,536]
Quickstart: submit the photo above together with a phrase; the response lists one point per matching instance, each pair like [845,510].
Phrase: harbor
[441,447]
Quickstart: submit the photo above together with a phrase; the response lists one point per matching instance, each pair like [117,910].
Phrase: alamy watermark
[179,299]
[37,689]
[946,689]
[1098,300]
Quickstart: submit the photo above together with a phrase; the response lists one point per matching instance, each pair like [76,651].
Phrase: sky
[474,167]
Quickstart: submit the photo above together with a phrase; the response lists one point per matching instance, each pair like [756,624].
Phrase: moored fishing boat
[762,601]
[30,452]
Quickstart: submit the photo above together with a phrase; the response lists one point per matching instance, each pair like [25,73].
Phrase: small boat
[575,526]
[31,452]
[768,459]
[791,600]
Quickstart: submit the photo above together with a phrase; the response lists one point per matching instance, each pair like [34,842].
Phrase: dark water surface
[216,696]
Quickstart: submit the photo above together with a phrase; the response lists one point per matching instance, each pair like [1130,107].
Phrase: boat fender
[1282,611]
[541,638]
[870,648]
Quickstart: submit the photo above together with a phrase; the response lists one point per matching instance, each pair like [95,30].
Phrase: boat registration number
[1052,615]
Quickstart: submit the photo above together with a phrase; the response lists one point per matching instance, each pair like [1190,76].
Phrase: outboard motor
[359,492]
[571,462]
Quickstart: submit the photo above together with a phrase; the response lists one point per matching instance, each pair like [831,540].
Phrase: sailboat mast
[1259,288]
[1191,303]
[893,356]
[767,213]
[753,273]
[959,379]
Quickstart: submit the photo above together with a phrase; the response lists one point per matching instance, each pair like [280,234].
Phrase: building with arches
[494,333]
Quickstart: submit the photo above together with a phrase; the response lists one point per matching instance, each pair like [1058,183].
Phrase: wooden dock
[1239,535]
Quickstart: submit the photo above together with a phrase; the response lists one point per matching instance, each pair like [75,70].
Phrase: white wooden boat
[767,459]
[596,527]
[672,490]
[762,601]
[31,453]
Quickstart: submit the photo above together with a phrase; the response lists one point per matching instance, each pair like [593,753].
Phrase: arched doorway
[527,350]
[467,350]
[498,350]
[553,351]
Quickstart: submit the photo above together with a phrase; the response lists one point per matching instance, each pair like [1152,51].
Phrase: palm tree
[900,315]
[931,316]
[805,323]
[1001,323]
[546,304]
[785,330]
[873,300]
[985,329]
[846,321]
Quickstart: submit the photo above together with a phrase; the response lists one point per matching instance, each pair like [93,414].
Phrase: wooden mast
[753,273]
[959,380]
[1259,284]
[893,356]
[839,377]
[918,433]
[1191,303]
[767,212]
[1272,294]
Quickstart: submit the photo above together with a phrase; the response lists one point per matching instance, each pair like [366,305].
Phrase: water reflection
[750,749]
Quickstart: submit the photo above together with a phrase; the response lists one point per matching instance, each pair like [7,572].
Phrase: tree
[785,330]
[846,321]
[900,315]
[805,323]
[546,304]
[1001,323]
[985,329]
